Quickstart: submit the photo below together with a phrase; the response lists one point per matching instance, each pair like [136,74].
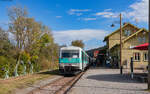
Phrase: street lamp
[149,48]
[120,42]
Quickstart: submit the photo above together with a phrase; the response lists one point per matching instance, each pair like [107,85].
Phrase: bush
[25,57]
[3,65]
[6,64]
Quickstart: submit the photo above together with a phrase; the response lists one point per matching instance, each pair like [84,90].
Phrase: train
[73,59]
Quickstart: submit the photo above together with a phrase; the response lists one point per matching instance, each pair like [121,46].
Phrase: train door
[82,60]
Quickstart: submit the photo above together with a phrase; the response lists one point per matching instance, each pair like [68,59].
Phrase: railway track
[59,86]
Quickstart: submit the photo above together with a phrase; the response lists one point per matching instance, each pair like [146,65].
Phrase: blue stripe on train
[69,60]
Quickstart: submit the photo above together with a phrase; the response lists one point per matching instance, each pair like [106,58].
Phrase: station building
[131,37]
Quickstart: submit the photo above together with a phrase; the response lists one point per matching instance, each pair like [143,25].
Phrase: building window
[136,56]
[145,56]
[142,39]
[127,33]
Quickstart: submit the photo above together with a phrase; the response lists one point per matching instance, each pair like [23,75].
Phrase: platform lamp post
[149,48]
[120,42]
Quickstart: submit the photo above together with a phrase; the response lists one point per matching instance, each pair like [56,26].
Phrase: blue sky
[88,20]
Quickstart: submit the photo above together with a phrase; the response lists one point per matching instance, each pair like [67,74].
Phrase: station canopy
[142,46]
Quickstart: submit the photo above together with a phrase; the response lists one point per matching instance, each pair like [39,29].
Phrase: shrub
[6,64]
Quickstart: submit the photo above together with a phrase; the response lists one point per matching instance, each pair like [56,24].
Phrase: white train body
[72,59]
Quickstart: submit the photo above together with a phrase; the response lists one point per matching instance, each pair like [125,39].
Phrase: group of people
[108,62]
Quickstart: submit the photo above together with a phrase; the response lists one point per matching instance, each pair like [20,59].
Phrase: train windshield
[70,54]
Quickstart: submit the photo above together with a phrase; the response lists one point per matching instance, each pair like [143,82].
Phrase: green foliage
[25,57]
[20,69]
[45,39]
[34,43]
[34,58]
[6,64]
[78,43]
[3,65]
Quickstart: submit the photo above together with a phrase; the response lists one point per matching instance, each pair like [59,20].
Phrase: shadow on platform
[99,67]
[113,78]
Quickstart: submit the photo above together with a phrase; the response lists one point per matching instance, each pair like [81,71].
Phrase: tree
[17,27]
[78,43]
[33,35]
[48,49]
[5,44]
[17,24]
[6,54]
[33,42]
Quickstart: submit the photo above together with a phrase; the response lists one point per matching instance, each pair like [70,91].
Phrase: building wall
[126,58]
[115,38]
[115,53]
[127,52]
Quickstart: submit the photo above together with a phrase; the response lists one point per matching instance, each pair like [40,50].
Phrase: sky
[87,20]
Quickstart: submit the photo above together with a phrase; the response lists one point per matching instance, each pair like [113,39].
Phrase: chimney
[124,23]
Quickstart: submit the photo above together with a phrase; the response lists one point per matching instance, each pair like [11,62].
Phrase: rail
[59,86]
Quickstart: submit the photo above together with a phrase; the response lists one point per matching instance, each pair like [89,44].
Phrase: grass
[10,85]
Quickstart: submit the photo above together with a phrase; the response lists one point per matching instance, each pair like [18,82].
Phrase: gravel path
[36,85]
[107,81]
[53,87]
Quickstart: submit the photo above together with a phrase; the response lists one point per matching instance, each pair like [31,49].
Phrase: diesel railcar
[72,59]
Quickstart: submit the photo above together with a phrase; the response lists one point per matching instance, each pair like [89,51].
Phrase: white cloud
[107,14]
[107,9]
[58,16]
[65,37]
[89,19]
[138,11]
[77,12]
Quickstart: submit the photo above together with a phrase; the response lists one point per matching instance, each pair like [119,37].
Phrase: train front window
[70,54]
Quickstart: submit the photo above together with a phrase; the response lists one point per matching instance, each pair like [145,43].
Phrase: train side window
[85,58]
[82,57]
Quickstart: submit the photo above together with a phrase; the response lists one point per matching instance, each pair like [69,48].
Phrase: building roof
[118,44]
[129,37]
[99,48]
[142,29]
[126,24]
[142,46]
[91,51]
